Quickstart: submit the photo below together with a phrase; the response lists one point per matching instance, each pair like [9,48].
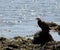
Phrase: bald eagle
[42,36]
[42,24]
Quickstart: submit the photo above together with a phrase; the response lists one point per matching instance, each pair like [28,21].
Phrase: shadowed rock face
[2,39]
[8,49]
[42,36]
[13,46]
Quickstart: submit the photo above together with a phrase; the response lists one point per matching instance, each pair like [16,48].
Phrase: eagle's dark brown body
[42,36]
[43,26]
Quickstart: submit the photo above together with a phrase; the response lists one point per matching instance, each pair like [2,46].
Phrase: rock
[8,48]
[27,45]
[13,46]
[2,39]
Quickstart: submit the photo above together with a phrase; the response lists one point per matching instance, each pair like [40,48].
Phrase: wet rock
[2,39]
[26,44]
[51,43]
[13,46]
[7,49]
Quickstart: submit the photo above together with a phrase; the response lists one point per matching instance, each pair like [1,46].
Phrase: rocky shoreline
[23,43]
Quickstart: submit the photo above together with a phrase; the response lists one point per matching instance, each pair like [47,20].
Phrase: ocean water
[17,17]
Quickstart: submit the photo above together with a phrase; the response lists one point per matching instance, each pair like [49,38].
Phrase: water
[17,17]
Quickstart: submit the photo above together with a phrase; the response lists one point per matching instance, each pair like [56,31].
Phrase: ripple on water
[18,17]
